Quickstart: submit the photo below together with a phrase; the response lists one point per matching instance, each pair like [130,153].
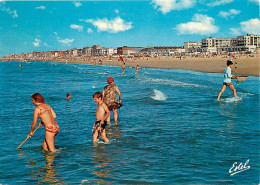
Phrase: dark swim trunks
[97,125]
[227,84]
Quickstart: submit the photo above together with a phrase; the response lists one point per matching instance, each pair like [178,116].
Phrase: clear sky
[27,26]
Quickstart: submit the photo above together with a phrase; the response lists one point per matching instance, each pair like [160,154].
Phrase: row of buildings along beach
[242,44]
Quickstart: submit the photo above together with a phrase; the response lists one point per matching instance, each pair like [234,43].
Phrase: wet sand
[245,65]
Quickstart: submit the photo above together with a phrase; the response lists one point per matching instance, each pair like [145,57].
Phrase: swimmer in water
[68,96]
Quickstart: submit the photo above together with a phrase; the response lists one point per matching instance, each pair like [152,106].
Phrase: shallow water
[171,128]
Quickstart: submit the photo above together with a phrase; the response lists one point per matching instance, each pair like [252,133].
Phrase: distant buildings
[247,43]
[191,47]
[243,43]
[125,50]
[163,50]
[95,50]
[212,44]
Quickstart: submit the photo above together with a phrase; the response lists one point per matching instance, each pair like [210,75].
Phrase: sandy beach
[246,65]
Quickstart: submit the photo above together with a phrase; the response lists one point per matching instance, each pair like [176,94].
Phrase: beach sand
[246,65]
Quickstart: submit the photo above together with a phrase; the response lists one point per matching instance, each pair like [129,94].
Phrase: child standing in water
[102,113]
[47,116]
[123,68]
[137,69]
[227,80]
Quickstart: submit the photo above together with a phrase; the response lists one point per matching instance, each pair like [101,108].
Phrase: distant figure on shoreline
[102,113]
[121,59]
[123,68]
[100,62]
[109,97]
[137,69]
[68,96]
[227,80]
[47,116]
[231,57]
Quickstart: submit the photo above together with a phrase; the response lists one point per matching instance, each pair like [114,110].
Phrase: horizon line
[72,0]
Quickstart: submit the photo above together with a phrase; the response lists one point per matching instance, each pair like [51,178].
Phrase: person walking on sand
[47,116]
[227,80]
[102,113]
[109,97]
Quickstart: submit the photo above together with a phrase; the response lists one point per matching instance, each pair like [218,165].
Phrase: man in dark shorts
[227,80]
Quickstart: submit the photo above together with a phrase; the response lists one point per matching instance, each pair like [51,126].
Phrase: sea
[171,129]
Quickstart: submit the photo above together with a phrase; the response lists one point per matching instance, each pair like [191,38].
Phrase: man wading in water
[109,97]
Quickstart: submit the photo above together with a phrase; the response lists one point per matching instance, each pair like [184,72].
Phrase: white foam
[102,73]
[83,181]
[245,94]
[171,82]
[158,95]
[102,142]
[230,100]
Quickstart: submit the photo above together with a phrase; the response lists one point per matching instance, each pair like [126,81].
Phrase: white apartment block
[75,52]
[240,43]
[192,46]
[109,51]
[248,40]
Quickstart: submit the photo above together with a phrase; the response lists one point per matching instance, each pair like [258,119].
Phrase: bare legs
[103,136]
[224,88]
[95,136]
[49,142]
[115,116]
[221,91]
[234,90]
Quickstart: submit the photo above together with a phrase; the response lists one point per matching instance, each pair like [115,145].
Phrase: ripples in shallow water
[171,129]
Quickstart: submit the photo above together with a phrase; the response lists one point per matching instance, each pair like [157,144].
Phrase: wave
[230,100]
[85,181]
[171,82]
[106,143]
[158,95]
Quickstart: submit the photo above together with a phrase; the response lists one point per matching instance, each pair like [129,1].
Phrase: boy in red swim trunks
[102,113]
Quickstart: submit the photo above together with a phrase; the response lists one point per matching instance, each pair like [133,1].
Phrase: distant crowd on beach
[130,58]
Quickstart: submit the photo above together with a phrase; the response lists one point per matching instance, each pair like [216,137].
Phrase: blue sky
[28,26]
